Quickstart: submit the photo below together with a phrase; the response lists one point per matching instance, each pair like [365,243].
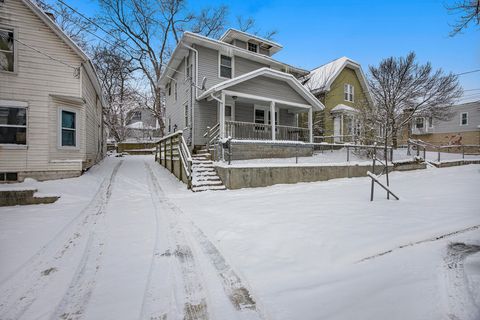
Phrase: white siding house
[51,117]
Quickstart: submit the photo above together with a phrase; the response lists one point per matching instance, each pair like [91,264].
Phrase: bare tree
[402,89]
[249,24]
[469,11]
[78,29]
[116,74]
[149,29]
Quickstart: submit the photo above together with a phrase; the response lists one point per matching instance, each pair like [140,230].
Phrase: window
[68,129]
[464,119]
[13,125]
[8,176]
[186,115]
[348,92]
[252,47]
[169,125]
[169,89]
[430,122]
[136,116]
[419,123]
[7,50]
[225,67]
[176,92]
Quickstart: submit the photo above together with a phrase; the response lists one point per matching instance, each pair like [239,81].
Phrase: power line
[107,32]
[47,55]
[467,72]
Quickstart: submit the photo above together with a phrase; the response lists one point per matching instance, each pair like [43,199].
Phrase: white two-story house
[247,93]
[51,103]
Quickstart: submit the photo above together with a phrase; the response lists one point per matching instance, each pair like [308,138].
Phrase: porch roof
[342,108]
[315,104]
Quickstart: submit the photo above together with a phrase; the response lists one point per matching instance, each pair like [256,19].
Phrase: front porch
[264,105]
[243,116]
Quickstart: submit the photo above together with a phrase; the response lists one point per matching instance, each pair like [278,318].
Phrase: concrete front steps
[204,176]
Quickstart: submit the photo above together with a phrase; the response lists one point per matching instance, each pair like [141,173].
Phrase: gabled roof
[320,79]
[270,73]
[231,34]
[68,41]
[190,38]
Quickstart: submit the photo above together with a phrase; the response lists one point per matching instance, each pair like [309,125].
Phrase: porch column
[310,124]
[222,117]
[272,119]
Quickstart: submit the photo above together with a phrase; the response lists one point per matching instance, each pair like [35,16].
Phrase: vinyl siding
[269,88]
[205,116]
[453,125]
[37,78]
[175,108]
[243,66]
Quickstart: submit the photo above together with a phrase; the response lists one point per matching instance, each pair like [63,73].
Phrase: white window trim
[220,54]
[59,129]
[15,104]
[350,90]
[430,122]
[15,49]
[461,119]
[423,123]
[267,111]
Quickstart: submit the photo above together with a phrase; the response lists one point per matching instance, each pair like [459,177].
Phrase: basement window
[8,176]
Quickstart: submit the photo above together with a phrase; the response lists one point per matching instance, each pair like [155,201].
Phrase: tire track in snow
[176,265]
[23,288]
[461,303]
[411,244]
[238,294]
[75,300]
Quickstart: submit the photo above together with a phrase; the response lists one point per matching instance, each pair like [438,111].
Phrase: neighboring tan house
[245,89]
[342,88]
[462,128]
[51,103]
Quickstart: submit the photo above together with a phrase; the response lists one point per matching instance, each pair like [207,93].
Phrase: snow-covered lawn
[128,241]
[340,156]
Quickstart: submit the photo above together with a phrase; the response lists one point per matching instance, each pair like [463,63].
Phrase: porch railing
[257,131]
[173,153]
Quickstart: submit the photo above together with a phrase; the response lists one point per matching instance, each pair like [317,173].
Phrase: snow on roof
[139,125]
[341,107]
[322,77]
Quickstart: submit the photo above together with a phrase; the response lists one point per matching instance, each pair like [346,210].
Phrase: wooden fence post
[171,154]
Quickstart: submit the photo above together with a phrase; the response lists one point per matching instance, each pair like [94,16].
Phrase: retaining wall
[246,151]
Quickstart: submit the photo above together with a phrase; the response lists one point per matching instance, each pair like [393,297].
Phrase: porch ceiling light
[234,97]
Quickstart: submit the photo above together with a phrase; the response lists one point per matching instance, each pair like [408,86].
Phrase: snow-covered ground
[340,156]
[128,241]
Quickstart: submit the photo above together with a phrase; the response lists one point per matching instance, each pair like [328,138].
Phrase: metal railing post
[296,153]
[372,188]
[438,158]
[391,154]
[424,154]
[348,154]
[463,152]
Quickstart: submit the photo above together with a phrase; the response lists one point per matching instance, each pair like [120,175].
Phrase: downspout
[196,90]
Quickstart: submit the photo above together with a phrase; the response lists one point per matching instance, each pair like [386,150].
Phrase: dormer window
[252,47]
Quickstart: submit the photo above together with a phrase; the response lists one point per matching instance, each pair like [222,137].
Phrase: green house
[342,88]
